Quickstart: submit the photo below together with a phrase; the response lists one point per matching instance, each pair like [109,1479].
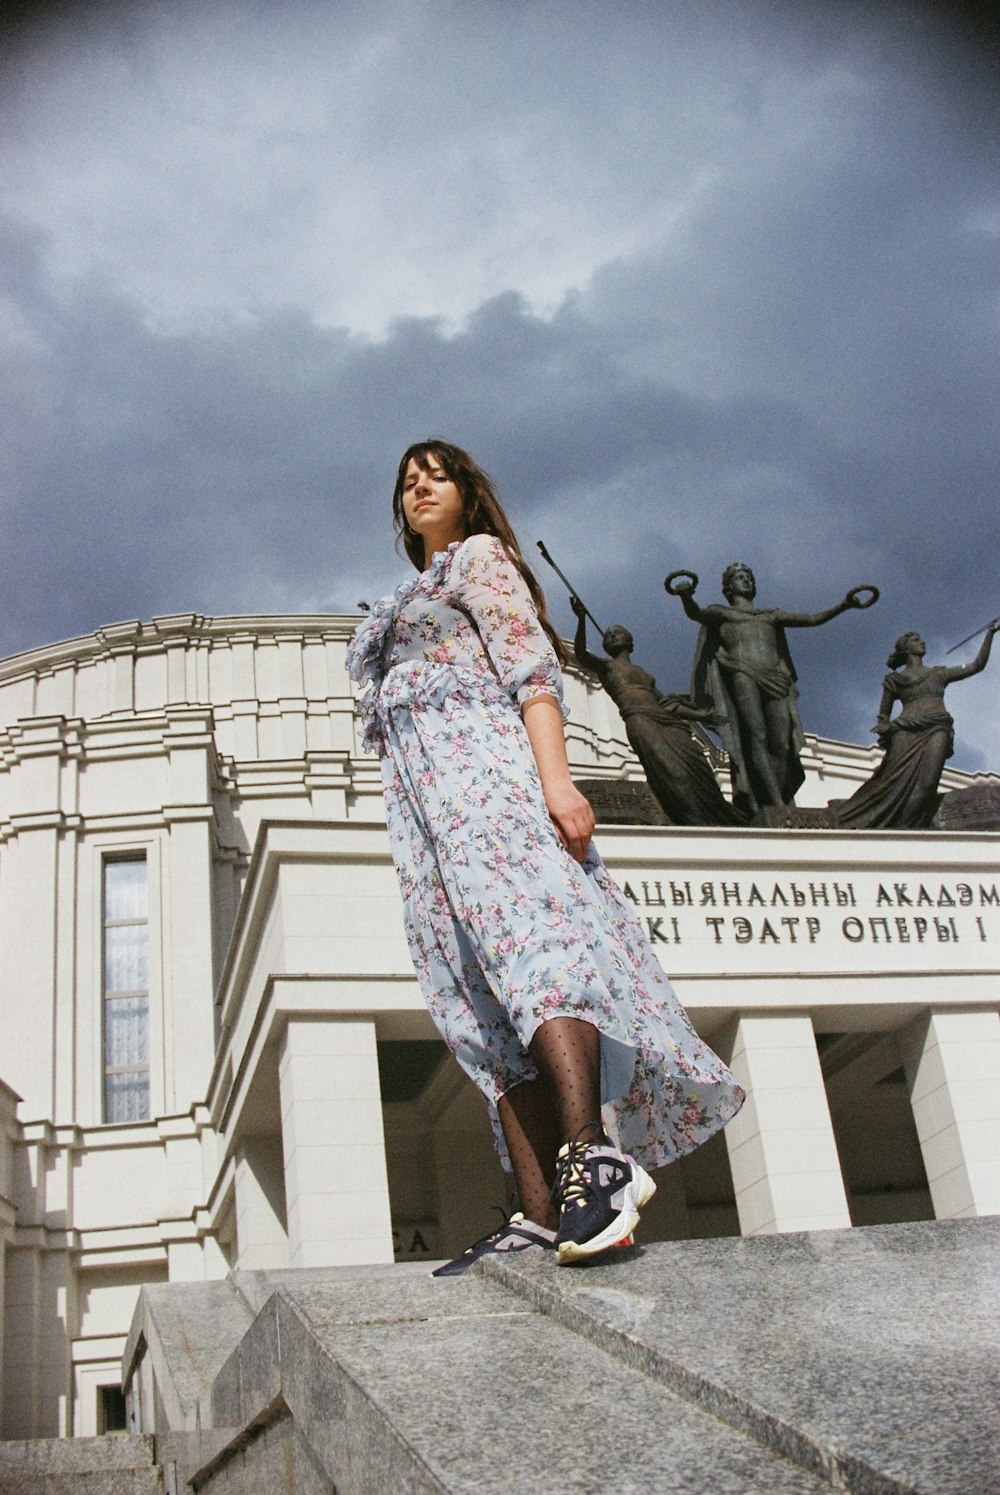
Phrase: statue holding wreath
[744,671]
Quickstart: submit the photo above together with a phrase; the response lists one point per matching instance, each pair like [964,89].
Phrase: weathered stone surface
[974,809]
[400,1382]
[510,1402]
[67,1455]
[861,1359]
[269,1459]
[871,1354]
[356,1292]
[189,1329]
[180,1454]
[90,1482]
[113,1465]
[622,801]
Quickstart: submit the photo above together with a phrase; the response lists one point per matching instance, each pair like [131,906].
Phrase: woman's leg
[567,1051]
[531,1130]
[562,1105]
[558,1147]
[599,1190]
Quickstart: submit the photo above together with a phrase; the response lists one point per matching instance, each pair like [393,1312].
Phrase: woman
[529,957]
[658,728]
[902,792]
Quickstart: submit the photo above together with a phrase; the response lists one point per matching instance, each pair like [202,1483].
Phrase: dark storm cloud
[794,363]
[248,470]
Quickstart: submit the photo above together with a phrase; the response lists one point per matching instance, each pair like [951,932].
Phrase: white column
[41,1321]
[336,1184]
[8,1211]
[21,1359]
[782,1151]
[952,1062]
[261,1237]
[58,1324]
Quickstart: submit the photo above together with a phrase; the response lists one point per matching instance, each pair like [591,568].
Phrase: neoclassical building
[213,1053]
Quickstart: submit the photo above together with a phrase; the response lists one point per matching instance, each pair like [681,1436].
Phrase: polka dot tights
[538,1116]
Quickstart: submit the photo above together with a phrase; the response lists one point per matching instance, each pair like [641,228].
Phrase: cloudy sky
[694,281]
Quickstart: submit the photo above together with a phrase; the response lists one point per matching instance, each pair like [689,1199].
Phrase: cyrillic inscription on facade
[864,910]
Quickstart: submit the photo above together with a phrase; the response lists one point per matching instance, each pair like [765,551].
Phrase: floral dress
[506,930]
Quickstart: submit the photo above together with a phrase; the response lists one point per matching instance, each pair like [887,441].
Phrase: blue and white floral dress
[506,930]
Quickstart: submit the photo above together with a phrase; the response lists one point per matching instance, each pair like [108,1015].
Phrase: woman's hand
[572,815]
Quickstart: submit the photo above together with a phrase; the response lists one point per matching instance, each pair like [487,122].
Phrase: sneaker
[517,1234]
[600,1193]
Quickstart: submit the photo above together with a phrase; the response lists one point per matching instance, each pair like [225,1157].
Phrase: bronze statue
[659,730]
[743,668]
[902,793]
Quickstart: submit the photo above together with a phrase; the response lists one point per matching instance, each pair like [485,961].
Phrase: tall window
[126,990]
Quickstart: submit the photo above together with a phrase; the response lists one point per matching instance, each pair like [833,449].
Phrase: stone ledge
[26,1456]
[403,1383]
[857,1359]
[117,1464]
[870,1356]
[187,1330]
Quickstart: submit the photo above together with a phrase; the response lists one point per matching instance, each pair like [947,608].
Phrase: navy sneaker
[516,1234]
[600,1193]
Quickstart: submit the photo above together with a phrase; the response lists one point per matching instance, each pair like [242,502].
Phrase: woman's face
[432,504]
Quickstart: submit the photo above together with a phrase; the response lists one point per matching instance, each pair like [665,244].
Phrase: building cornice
[133,635]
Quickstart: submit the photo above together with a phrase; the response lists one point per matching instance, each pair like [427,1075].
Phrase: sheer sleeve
[495,595]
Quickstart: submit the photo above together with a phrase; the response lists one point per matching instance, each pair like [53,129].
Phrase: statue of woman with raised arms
[902,793]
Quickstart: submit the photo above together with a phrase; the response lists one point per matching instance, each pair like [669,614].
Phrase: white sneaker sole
[638,1191]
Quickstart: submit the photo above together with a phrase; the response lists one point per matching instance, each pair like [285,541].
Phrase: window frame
[107,859]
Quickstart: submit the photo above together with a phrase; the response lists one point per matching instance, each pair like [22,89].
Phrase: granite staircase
[864,1360]
[116,1464]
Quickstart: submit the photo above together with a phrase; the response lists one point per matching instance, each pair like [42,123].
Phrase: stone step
[188,1329]
[870,1356]
[118,1464]
[863,1360]
[403,1383]
[89,1482]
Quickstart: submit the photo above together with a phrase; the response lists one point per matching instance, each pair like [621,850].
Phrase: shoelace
[573,1183]
[491,1235]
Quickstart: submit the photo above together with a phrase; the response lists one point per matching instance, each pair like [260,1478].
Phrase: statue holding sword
[902,793]
[660,728]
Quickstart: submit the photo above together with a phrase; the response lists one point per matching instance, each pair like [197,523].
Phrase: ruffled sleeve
[367,653]
[488,586]
[365,649]
[366,659]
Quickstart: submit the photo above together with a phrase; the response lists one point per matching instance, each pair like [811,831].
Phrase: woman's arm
[884,709]
[493,592]
[963,671]
[497,598]
[571,812]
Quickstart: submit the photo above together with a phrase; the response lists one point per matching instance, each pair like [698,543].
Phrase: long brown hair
[484,515]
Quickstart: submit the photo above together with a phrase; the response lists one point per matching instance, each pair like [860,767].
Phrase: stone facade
[286,1100]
